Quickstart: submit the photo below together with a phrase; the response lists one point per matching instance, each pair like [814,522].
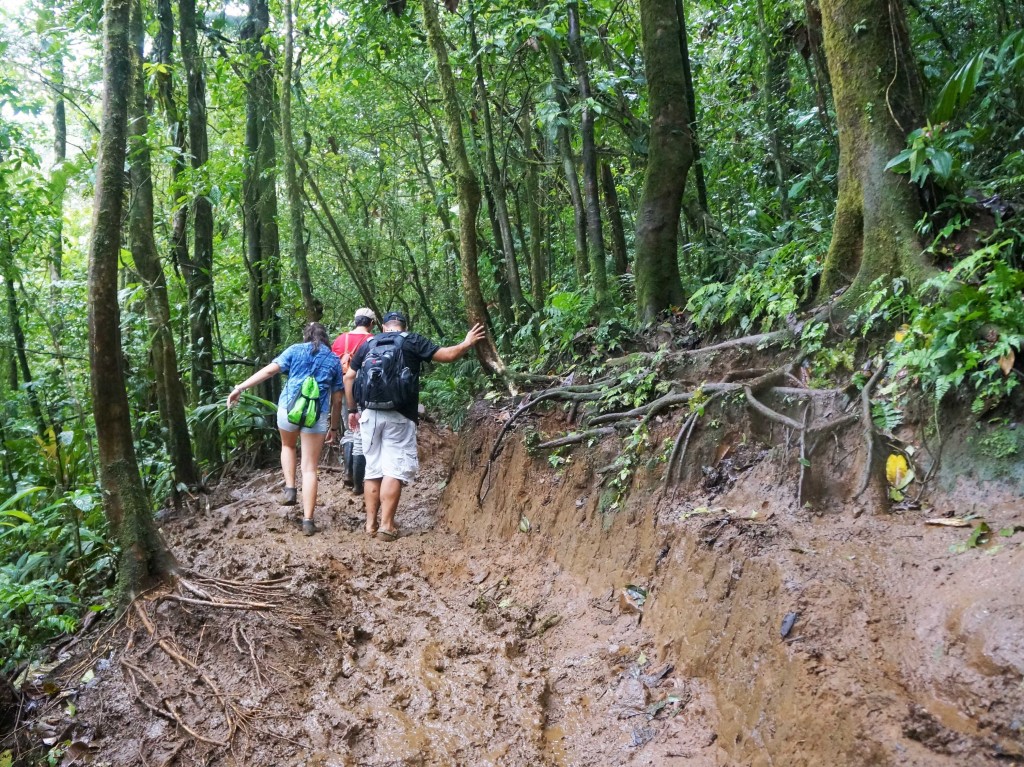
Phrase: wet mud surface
[535,629]
[414,652]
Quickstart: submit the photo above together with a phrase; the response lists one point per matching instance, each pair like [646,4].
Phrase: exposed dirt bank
[902,652]
[501,634]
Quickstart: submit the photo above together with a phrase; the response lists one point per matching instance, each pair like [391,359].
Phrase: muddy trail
[723,625]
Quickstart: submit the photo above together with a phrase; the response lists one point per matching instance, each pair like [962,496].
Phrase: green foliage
[1001,443]
[776,284]
[54,563]
[449,390]
[565,329]
[932,155]
[976,117]
[619,477]
[826,356]
[964,330]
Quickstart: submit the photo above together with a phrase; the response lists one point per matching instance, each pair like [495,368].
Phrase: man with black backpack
[383,377]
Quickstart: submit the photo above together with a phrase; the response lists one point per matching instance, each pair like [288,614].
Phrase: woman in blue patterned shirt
[313,357]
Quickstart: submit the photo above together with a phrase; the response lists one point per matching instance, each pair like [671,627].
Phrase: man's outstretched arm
[452,353]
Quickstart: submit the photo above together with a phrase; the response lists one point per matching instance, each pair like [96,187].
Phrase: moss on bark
[658,285]
[878,101]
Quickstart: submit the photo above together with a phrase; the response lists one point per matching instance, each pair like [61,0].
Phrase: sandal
[388,535]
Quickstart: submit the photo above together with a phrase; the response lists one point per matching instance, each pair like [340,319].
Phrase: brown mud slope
[345,650]
[902,652]
[502,634]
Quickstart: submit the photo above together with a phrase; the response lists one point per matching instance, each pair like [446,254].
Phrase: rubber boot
[358,472]
[347,461]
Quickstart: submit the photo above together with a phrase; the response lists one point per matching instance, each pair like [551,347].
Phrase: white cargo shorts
[389,444]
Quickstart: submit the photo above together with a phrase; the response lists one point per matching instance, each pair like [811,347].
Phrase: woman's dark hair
[362,321]
[315,333]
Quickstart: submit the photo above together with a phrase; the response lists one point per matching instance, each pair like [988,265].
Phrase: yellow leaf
[896,469]
[1006,362]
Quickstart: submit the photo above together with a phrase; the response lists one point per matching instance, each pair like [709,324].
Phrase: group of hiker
[362,391]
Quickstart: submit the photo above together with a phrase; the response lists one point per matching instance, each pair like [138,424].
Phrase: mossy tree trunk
[198,270]
[878,100]
[588,154]
[658,284]
[170,391]
[143,555]
[468,190]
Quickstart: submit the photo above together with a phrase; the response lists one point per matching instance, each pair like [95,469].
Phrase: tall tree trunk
[611,202]
[878,100]
[773,103]
[143,556]
[163,49]
[17,330]
[313,308]
[58,183]
[263,247]
[198,270]
[691,108]
[497,180]
[503,296]
[591,189]
[170,390]
[468,189]
[818,76]
[559,87]
[533,208]
[658,285]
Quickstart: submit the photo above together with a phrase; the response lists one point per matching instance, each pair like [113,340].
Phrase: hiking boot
[308,527]
[289,496]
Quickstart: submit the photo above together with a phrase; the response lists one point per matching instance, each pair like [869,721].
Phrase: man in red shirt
[345,346]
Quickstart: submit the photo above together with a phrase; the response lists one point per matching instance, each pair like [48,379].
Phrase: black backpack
[384,381]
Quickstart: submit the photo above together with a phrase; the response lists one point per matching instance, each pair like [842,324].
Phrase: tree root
[745,342]
[572,393]
[192,590]
[576,438]
[868,426]
[804,461]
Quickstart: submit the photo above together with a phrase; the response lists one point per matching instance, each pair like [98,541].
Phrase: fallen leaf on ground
[948,522]
[896,469]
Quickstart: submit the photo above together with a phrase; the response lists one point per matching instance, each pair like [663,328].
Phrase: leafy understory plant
[970,334]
